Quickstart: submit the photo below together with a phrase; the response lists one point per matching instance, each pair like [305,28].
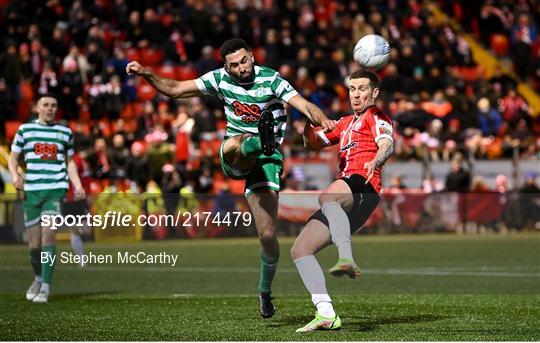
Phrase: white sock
[77,244]
[45,287]
[313,278]
[39,279]
[325,309]
[339,228]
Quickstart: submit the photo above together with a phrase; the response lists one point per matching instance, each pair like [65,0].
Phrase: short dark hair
[46,95]
[232,45]
[363,73]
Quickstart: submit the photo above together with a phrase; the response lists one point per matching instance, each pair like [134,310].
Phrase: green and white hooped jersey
[45,148]
[243,105]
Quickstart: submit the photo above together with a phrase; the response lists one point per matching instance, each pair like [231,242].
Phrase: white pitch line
[431,271]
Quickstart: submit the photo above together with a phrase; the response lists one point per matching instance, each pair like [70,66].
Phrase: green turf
[421,287]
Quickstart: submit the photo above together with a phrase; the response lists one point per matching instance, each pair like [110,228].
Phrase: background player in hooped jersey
[47,148]
[253,99]
[365,143]
[74,206]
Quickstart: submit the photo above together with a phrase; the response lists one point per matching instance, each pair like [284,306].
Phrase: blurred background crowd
[444,105]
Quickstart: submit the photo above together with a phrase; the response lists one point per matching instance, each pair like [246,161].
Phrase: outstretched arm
[312,112]
[386,148]
[169,87]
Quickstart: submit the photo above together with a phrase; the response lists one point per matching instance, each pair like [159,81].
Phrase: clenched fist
[134,68]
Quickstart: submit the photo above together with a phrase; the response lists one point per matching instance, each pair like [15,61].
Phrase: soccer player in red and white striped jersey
[365,143]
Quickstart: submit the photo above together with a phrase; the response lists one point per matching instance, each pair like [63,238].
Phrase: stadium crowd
[438,98]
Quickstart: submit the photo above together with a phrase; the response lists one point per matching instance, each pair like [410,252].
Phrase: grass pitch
[421,287]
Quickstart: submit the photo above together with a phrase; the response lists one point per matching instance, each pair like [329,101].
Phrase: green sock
[35,260]
[268,271]
[46,267]
[251,147]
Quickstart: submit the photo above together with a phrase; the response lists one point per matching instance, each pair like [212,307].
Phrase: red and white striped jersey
[357,137]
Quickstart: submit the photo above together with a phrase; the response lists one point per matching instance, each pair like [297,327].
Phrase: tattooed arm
[169,87]
[386,148]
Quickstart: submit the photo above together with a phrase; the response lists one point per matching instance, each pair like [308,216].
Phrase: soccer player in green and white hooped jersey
[253,97]
[47,148]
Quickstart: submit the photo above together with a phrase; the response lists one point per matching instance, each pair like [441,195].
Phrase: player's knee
[329,197]
[34,244]
[299,250]
[49,237]
[267,235]
[232,144]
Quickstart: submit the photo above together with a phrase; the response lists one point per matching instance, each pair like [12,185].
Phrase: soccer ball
[372,51]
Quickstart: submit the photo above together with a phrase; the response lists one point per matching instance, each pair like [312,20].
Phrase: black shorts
[365,201]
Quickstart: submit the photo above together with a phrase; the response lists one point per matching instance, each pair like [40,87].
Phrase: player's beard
[368,104]
[248,80]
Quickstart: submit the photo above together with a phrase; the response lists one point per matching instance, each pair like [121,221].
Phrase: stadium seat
[131,110]
[260,55]
[217,185]
[11,129]
[25,105]
[237,186]
[84,112]
[132,54]
[471,74]
[218,175]
[151,57]
[131,125]
[221,125]
[195,163]
[108,36]
[217,56]
[104,127]
[166,71]
[186,73]
[95,187]
[145,92]
[499,44]
[74,123]
[215,144]
[166,20]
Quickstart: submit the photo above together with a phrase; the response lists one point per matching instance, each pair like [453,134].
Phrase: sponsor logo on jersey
[385,127]
[46,151]
[348,146]
[248,113]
